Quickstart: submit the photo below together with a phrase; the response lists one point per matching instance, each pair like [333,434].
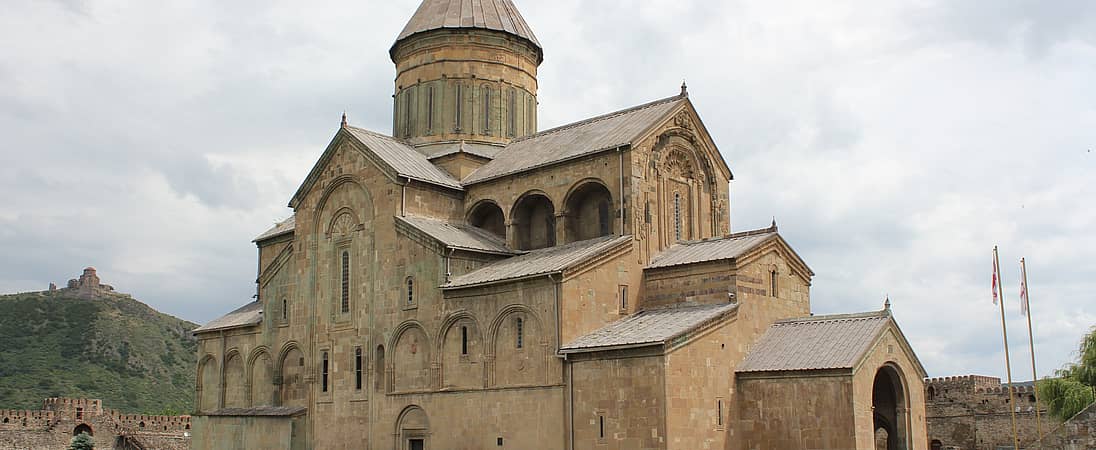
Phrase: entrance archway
[412,429]
[889,409]
[83,428]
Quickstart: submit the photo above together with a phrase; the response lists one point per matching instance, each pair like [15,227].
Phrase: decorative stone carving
[683,120]
[678,165]
[342,225]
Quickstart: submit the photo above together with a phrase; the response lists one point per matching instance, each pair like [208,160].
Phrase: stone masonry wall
[972,413]
[53,426]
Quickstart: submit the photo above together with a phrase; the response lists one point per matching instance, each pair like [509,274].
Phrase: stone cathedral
[473,282]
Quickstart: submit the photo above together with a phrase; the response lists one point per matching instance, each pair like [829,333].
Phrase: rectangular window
[601,427]
[677,216]
[719,412]
[464,341]
[486,109]
[346,282]
[407,113]
[460,106]
[430,111]
[358,368]
[772,283]
[513,113]
[79,413]
[520,325]
[623,298]
[324,372]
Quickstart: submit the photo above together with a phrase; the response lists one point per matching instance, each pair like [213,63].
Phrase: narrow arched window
[407,113]
[430,110]
[460,106]
[513,113]
[677,216]
[358,368]
[378,369]
[345,282]
[285,310]
[464,341]
[519,325]
[772,283]
[486,109]
[410,291]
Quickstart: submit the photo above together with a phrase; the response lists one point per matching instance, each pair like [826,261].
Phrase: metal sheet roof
[284,227]
[403,158]
[712,249]
[539,262]
[815,343]
[656,326]
[247,315]
[434,151]
[260,411]
[497,15]
[459,236]
[576,140]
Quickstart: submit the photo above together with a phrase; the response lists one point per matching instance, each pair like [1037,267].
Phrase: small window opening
[345,282]
[407,113]
[772,283]
[486,110]
[324,373]
[430,110]
[464,341]
[677,216]
[410,291]
[513,113]
[378,369]
[460,106]
[358,368]
[141,425]
[285,310]
[520,325]
[79,413]
[5,420]
[601,427]
[623,298]
[719,412]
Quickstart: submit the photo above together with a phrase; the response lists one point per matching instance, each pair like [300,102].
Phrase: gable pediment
[684,122]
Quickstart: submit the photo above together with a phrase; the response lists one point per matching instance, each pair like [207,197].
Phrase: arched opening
[293,391]
[937,445]
[889,409]
[141,425]
[488,216]
[83,428]
[589,213]
[413,428]
[209,384]
[930,394]
[534,221]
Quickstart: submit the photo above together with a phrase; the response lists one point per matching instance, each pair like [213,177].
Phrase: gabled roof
[394,156]
[650,327]
[497,15]
[578,139]
[284,227]
[247,315]
[435,151]
[816,343]
[458,236]
[716,249]
[403,158]
[539,262]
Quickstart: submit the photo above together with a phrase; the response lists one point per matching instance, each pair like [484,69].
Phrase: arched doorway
[936,445]
[889,409]
[83,428]
[589,212]
[413,429]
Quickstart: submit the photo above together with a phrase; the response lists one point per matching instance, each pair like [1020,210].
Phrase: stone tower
[465,72]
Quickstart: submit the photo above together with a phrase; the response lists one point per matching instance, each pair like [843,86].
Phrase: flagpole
[1031,343]
[1008,362]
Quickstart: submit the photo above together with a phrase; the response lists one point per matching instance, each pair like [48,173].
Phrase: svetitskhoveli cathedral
[470,281]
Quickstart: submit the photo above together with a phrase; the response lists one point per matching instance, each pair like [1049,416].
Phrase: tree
[81,441]
[1073,389]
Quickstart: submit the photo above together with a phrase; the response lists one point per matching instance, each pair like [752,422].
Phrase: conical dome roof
[497,15]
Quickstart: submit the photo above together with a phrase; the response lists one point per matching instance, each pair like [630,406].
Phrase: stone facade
[1077,433]
[60,419]
[972,413]
[87,286]
[458,329]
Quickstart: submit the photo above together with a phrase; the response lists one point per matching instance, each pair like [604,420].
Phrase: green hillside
[114,348]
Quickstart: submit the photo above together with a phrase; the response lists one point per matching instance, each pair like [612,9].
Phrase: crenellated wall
[972,412]
[59,419]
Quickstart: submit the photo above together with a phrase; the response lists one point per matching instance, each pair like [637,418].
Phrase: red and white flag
[996,278]
[1023,291]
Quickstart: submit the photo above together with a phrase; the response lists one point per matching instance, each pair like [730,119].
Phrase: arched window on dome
[512,111]
[485,91]
[459,112]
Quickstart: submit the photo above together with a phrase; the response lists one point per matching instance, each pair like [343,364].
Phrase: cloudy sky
[895,142]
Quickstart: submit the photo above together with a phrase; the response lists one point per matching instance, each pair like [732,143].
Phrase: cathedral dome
[496,15]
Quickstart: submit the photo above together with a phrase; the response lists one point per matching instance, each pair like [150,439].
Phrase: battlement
[977,381]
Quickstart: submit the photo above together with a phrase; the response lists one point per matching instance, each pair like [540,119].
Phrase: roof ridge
[601,117]
[726,237]
[882,314]
[381,135]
